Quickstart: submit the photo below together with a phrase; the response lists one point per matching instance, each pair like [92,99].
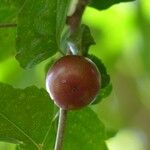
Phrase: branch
[60,130]
[74,20]
[8,25]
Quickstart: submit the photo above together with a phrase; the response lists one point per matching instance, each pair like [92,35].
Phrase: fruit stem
[61,128]
[8,25]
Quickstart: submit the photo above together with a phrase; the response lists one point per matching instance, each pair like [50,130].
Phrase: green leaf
[7,11]
[103,93]
[40,24]
[105,78]
[7,43]
[82,39]
[26,117]
[103,4]
[51,61]
[62,9]
[106,87]
[110,133]
[84,131]
[7,36]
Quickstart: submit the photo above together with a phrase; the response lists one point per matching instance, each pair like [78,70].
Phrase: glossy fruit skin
[73,82]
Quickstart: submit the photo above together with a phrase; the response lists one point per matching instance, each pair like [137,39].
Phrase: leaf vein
[19,129]
[46,135]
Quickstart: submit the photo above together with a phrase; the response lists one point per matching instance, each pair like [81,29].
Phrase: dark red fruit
[73,82]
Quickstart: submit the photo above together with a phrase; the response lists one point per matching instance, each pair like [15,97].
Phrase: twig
[60,130]
[8,25]
[74,20]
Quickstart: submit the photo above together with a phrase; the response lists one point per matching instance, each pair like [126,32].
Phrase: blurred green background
[122,35]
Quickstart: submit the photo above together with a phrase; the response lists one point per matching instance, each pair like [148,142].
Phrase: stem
[74,20]
[8,25]
[60,130]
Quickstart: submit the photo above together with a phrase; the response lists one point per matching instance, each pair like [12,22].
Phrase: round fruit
[73,82]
